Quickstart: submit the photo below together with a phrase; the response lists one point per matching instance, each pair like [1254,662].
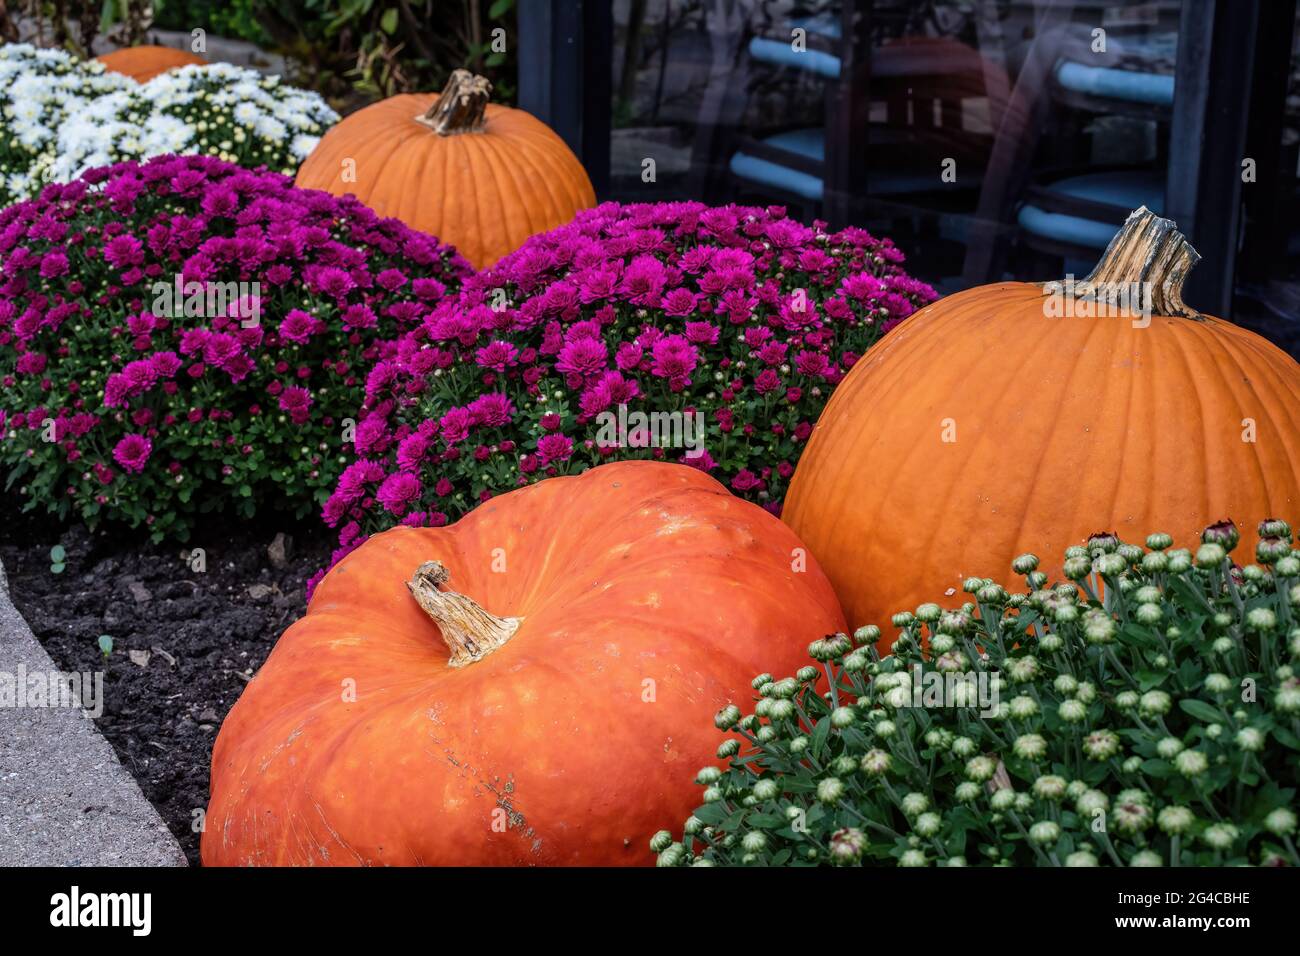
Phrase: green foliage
[1146,714]
[377,48]
[58,559]
[105,643]
[236,19]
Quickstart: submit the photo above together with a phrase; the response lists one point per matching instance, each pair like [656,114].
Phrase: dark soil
[185,642]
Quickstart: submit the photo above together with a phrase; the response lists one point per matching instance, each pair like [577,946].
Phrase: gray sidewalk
[65,800]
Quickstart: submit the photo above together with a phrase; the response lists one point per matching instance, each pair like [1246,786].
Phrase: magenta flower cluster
[736,318]
[120,400]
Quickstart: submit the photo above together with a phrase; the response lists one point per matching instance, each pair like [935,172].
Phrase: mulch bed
[184,642]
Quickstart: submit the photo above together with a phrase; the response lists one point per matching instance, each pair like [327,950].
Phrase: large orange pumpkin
[627,606]
[143,63]
[984,427]
[480,176]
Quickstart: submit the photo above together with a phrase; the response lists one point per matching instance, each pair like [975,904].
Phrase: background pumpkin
[143,63]
[631,572]
[1059,427]
[480,176]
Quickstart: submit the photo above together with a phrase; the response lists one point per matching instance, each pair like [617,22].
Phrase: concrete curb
[65,800]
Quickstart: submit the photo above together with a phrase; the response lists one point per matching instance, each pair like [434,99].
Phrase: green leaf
[105,644]
[57,553]
[57,567]
[819,735]
[1201,711]
[499,9]
[388,22]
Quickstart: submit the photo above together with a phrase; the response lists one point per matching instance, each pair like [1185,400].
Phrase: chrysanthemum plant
[734,322]
[230,112]
[39,90]
[1144,713]
[185,336]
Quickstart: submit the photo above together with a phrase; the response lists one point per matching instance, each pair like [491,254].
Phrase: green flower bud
[1025,564]
[1132,764]
[1080,858]
[914,803]
[807,674]
[928,824]
[1154,703]
[913,858]
[1089,802]
[754,841]
[1261,619]
[1281,822]
[1072,711]
[1002,800]
[726,718]
[1023,707]
[1131,817]
[1146,858]
[1049,787]
[842,717]
[708,775]
[1211,556]
[867,634]
[980,769]
[1220,836]
[693,825]
[1111,565]
[1044,832]
[962,746]
[1159,541]
[1101,744]
[903,619]
[847,846]
[728,749]
[1154,562]
[1287,567]
[1076,569]
[673,855]
[1029,747]
[1191,763]
[760,680]
[798,745]
[1250,739]
[1175,820]
[781,710]
[1169,747]
[1269,550]
[928,613]
[876,763]
[767,789]
[967,792]
[830,790]
[713,794]
[661,841]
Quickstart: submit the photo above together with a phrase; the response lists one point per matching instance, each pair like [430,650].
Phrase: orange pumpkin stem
[471,633]
[1148,255]
[461,107]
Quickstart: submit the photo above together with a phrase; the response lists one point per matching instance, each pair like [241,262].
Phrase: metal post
[1216,45]
[565,61]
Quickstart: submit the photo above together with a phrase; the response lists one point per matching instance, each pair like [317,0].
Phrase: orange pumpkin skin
[483,191]
[143,63]
[1063,427]
[650,598]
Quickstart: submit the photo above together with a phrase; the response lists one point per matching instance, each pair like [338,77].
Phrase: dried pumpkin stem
[1147,257]
[461,107]
[471,633]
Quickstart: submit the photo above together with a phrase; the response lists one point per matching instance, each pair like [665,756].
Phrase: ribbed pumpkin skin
[631,572]
[1064,427]
[143,63]
[484,192]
